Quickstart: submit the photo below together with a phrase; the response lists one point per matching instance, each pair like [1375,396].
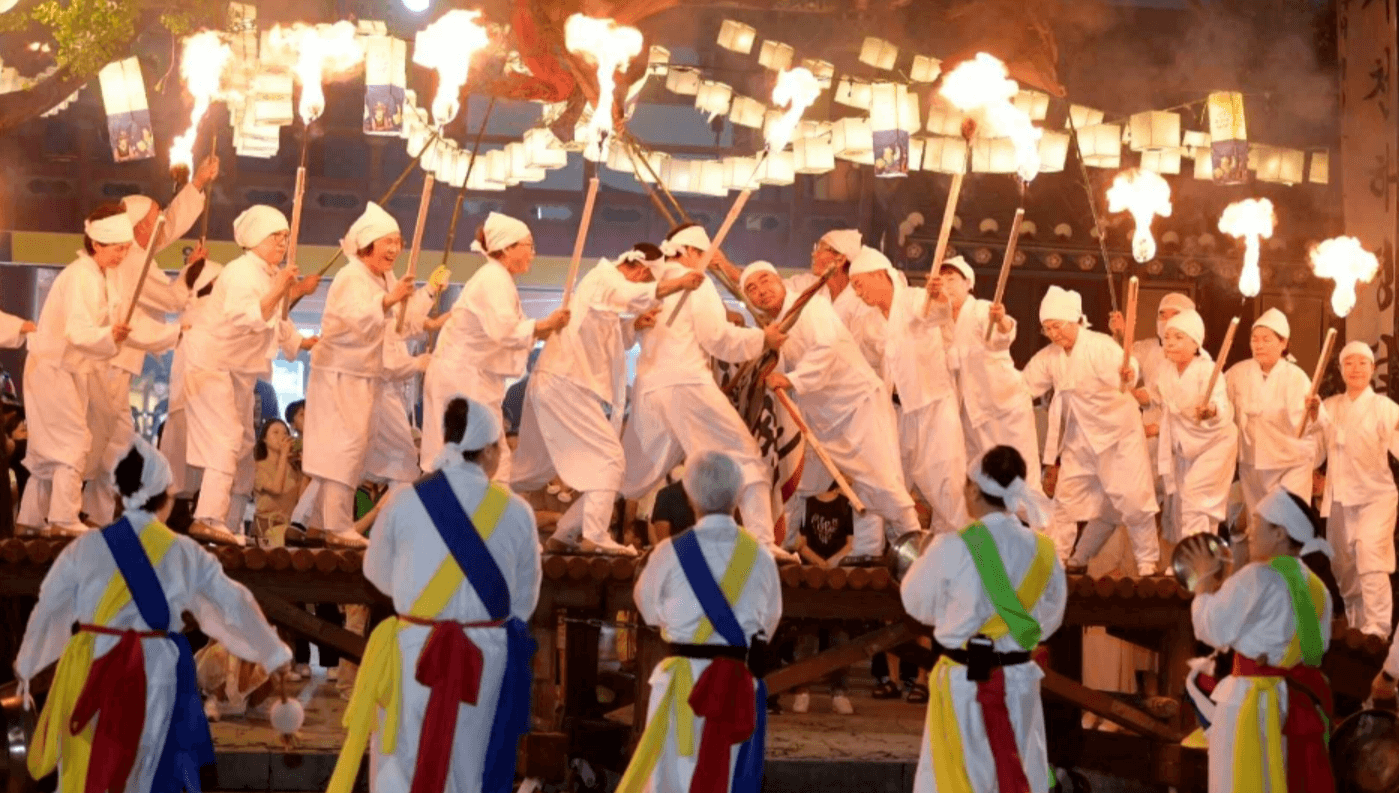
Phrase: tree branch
[18,107]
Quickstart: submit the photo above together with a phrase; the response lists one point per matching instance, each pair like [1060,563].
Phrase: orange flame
[981,87]
[611,47]
[1253,220]
[319,50]
[1345,261]
[796,89]
[1145,195]
[202,62]
[447,46]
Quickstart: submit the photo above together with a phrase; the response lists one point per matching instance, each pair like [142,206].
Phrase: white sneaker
[841,704]
[801,703]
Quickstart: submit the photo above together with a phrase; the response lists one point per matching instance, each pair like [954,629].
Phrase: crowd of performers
[905,387]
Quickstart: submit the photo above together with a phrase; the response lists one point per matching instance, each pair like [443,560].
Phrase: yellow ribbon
[379,683]
[1250,770]
[682,681]
[52,739]
[944,734]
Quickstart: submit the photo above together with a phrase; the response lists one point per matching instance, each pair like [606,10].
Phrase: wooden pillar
[544,627]
[650,651]
[580,668]
[1177,648]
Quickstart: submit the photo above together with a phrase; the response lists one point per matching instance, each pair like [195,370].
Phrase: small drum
[904,551]
[1211,544]
[1365,753]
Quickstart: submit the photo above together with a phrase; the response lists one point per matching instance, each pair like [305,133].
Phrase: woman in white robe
[1199,441]
[487,338]
[174,437]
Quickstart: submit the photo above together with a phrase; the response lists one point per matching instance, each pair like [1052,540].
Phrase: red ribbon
[1000,734]
[723,697]
[450,666]
[1309,709]
[115,692]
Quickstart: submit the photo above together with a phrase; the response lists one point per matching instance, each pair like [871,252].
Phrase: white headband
[1177,301]
[1062,304]
[257,223]
[155,474]
[846,242]
[373,224]
[755,268]
[1191,324]
[500,231]
[636,257]
[1276,321]
[1356,347]
[690,236]
[1016,495]
[482,429]
[960,265]
[112,230]
[1279,509]
[138,207]
[870,260]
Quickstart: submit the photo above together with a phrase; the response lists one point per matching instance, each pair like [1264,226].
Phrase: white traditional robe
[865,322]
[174,439]
[996,406]
[1360,503]
[944,590]
[11,333]
[845,404]
[666,601]
[485,343]
[915,369]
[1149,355]
[64,373]
[1252,615]
[1269,409]
[193,580]
[393,449]
[678,409]
[1095,431]
[1196,458]
[405,551]
[580,379]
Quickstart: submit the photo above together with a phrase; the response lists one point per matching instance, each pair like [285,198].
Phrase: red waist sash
[115,692]
[723,697]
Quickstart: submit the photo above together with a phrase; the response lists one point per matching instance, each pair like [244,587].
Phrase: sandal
[888,689]
[917,694]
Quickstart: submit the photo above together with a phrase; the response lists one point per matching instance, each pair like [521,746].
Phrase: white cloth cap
[138,207]
[155,474]
[846,242]
[373,224]
[1191,324]
[501,231]
[1279,509]
[690,236]
[1356,348]
[869,260]
[1177,301]
[1062,304]
[755,268]
[1276,321]
[637,257]
[960,265]
[257,223]
[482,430]
[1016,495]
[112,230]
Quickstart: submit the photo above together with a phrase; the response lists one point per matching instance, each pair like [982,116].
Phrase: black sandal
[886,690]
[917,694]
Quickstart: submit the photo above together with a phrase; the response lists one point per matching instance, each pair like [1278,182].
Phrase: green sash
[996,582]
[1303,608]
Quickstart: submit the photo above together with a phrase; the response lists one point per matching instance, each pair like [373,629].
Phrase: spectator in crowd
[827,536]
[276,484]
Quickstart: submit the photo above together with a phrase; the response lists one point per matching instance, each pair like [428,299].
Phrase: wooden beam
[1109,707]
[288,614]
[847,654]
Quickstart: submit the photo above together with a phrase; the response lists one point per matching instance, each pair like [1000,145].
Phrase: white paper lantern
[447,165]
[1194,139]
[814,156]
[878,53]
[1320,172]
[658,60]
[1054,151]
[1084,116]
[943,154]
[497,162]
[779,169]
[272,98]
[1155,129]
[713,98]
[1204,168]
[740,172]
[745,111]
[945,120]
[710,178]
[993,155]
[853,139]
[1162,161]
[543,149]
[824,71]
[657,162]
[1280,165]
[915,152]
[925,69]
[854,93]
[681,176]
[1101,145]
[813,129]
[776,56]
[737,37]
[520,169]
[887,105]
[682,80]
[1032,103]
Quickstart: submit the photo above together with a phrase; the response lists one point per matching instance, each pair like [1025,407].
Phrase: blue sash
[748,771]
[188,744]
[512,712]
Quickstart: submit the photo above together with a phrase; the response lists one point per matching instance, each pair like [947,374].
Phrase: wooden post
[583,224]
[1005,265]
[949,214]
[1321,362]
[1129,327]
[1219,362]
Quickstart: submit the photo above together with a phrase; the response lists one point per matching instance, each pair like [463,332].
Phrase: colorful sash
[1013,608]
[445,656]
[722,699]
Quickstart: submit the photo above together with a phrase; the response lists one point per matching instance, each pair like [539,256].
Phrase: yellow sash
[52,740]
[682,681]
[379,683]
[1251,738]
[944,734]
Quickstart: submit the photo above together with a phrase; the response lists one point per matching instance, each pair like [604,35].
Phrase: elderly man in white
[846,406]
[80,330]
[487,338]
[572,420]
[1096,434]
[677,408]
[227,355]
[919,383]
[345,392]
[679,591]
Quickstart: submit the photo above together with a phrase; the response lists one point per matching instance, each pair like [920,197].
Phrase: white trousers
[57,406]
[1256,483]
[439,388]
[1106,490]
[935,460]
[1363,540]
[1014,428]
[222,433]
[1200,497]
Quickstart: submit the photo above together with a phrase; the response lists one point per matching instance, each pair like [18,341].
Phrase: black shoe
[917,694]
[887,689]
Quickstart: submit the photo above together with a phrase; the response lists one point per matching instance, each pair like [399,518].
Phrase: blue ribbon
[512,710]
[188,744]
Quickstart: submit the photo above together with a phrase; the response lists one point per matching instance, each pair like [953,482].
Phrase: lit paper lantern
[779,170]
[1155,129]
[520,169]
[657,160]
[944,120]
[481,173]
[1204,166]
[776,56]
[272,98]
[658,60]
[1032,103]
[1162,161]
[740,172]
[813,156]
[737,37]
[1101,145]
[854,93]
[1280,165]
[680,175]
[813,129]
[709,177]
[889,131]
[824,71]
[943,154]
[1193,139]
[713,98]
[915,153]
[385,85]
[925,69]
[745,111]
[993,155]
[543,149]
[1320,172]
[878,53]
[447,164]
[852,139]
[1082,116]
[682,80]
[1054,151]
[1258,153]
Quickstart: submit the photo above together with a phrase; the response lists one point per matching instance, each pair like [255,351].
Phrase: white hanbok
[174,439]
[865,322]
[1197,458]
[943,589]
[1269,409]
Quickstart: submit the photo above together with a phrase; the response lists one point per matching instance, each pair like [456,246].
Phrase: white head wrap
[1173,301]
[373,224]
[110,231]
[500,231]
[138,207]
[482,429]
[1356,347]
[637,257]
[960,265]
[869,260]
[155,474]
[257,223]
[1275,321]
[690,236]
[846,242]
[1279,509]
[1191,324]
[755,268]
[1016,495]
[1062,304]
